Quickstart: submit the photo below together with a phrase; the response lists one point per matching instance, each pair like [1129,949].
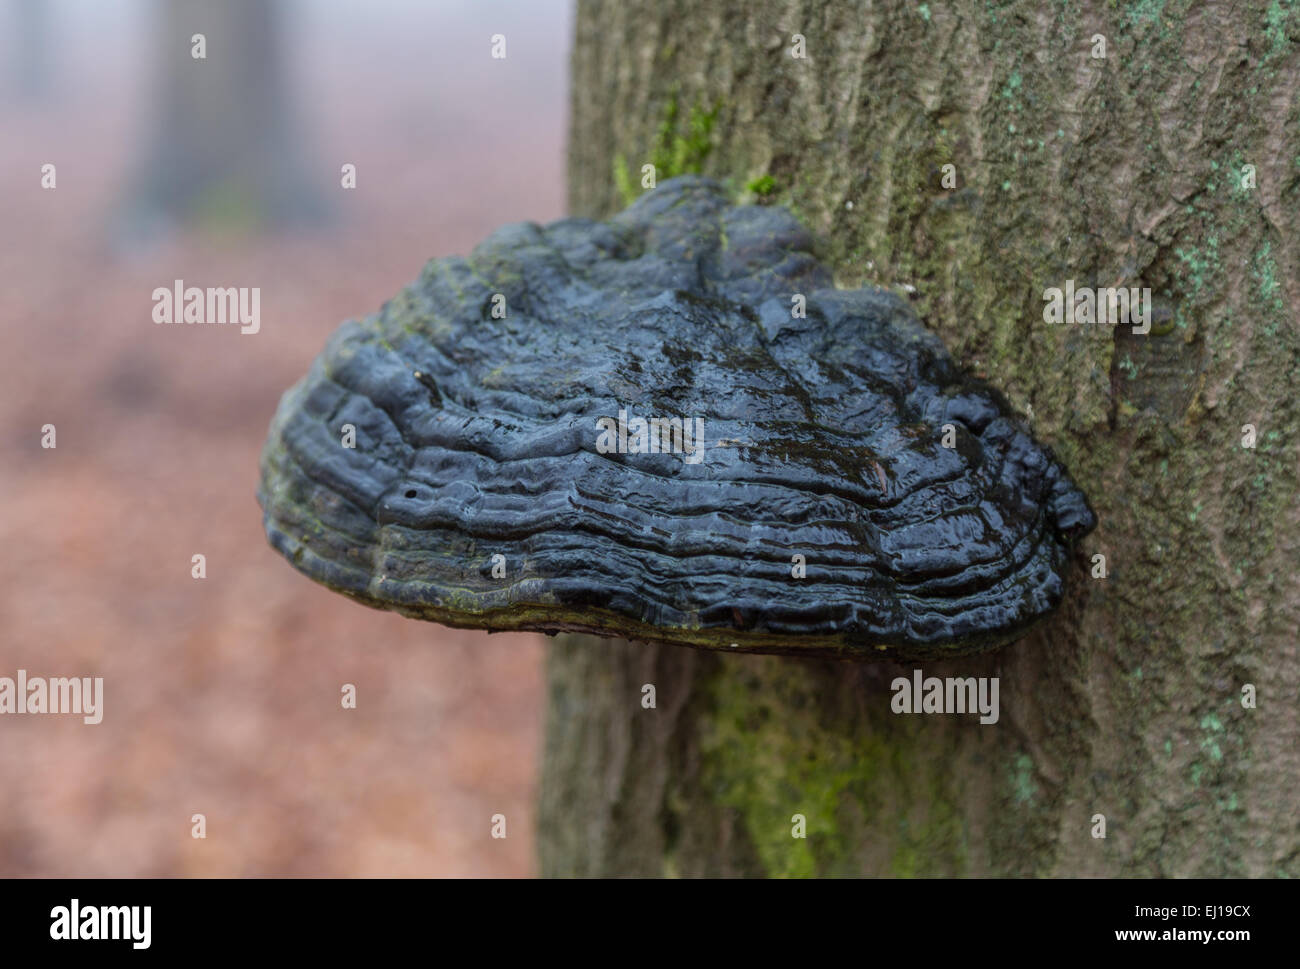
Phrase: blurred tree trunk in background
[1134,168]
[30,49]
[223,150]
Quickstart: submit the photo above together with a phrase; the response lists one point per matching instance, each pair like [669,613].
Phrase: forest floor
[222,694]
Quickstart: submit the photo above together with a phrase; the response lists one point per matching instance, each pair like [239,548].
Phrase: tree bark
[1129,169]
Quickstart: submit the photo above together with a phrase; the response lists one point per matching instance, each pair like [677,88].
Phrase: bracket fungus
[629,429]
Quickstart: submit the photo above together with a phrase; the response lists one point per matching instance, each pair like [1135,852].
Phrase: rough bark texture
[1124,170]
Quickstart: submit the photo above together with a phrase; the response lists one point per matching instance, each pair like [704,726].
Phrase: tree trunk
[223,150]
[30,48]
[1173,162]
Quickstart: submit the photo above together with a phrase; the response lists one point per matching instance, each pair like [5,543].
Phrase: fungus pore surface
[625,428]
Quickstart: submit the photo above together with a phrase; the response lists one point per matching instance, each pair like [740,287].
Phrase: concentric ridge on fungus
[477,444]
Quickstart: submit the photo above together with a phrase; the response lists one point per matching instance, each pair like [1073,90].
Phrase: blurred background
[222,694]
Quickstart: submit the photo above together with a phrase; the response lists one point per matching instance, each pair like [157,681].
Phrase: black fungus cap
[500,479]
